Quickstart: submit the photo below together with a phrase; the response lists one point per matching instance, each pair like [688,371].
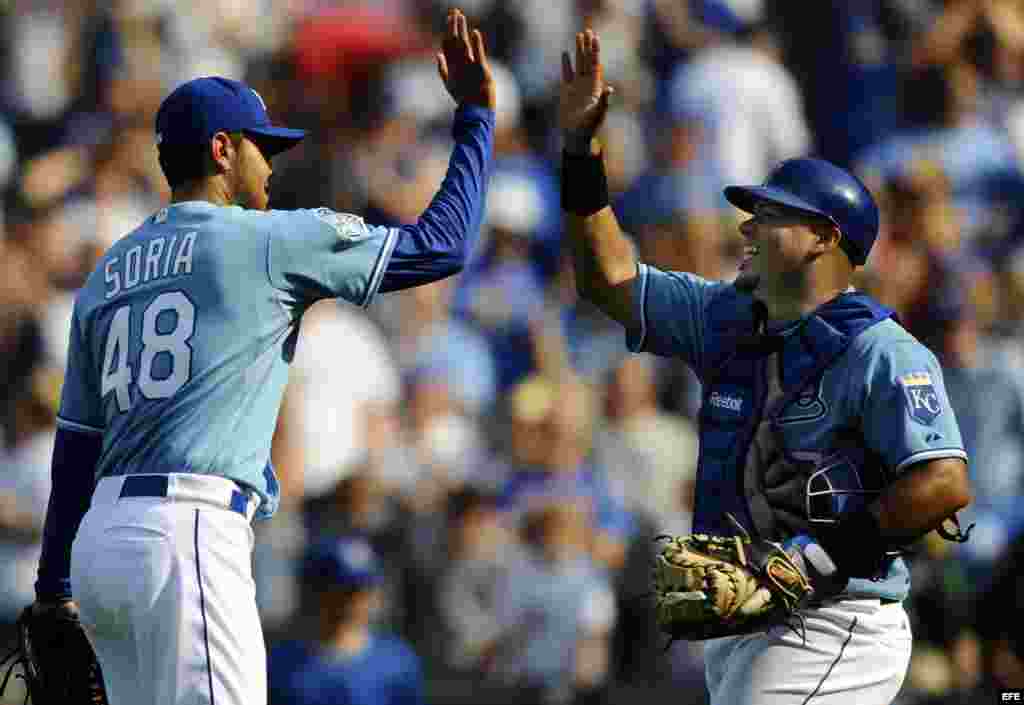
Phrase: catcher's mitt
[707,587]
[55,658]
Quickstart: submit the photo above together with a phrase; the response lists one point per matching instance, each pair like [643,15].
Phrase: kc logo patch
[922,399]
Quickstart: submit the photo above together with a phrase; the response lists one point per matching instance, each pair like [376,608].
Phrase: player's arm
[919,501]
[663,312]
[604,259]
[908,421]
[437,245]
[75,454]
[924,495]
[318,254]
[76,450]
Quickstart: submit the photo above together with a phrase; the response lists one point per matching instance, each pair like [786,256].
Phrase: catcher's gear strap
[764,449]
[957,535]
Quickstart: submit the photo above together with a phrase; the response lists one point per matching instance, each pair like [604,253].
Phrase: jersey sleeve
[81,407]
[320,253]
[669,313]
[907,417]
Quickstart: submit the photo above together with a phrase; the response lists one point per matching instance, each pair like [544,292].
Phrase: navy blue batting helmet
[822,189]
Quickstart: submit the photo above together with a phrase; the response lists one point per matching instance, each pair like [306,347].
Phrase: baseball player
[179,353]
[347,661]
[824,425]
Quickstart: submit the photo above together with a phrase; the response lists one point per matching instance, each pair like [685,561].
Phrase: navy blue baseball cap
[346,561]
[197,110]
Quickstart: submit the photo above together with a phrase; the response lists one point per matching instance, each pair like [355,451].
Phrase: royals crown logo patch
[922,400]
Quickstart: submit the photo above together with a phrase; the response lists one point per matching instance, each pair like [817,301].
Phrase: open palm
[462,63]
[583,101]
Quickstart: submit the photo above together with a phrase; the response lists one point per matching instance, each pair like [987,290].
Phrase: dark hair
[184,163]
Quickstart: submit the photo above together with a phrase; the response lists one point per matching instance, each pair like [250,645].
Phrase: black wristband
[584,183]
[856,545]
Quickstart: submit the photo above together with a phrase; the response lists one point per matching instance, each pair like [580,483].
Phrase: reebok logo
[726,402]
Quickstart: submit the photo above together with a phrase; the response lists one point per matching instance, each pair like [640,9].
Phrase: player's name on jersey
[159,258]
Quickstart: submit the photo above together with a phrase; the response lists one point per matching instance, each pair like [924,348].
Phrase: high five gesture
[605,263]
[583,101]
[462,63]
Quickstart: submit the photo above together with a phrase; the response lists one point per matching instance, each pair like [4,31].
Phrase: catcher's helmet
[819,187]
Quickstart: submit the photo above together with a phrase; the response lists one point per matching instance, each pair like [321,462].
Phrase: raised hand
[583,100]
[462,63]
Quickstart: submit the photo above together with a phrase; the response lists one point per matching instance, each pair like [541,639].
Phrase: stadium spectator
[650,454]
[750,101]
[468,592]
[502,295]
[556,609]
[343,658]
[550,439]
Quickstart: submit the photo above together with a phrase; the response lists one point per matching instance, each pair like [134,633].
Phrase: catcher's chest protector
[742,400]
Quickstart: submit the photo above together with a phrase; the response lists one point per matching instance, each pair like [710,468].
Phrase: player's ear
[828,235]
[222,152]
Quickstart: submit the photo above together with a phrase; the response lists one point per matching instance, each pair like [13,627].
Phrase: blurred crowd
[487,436]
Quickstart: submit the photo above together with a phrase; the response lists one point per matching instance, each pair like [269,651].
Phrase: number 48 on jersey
[168,323]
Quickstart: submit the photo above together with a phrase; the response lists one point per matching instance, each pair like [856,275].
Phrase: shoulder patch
[347,225]
[922,400]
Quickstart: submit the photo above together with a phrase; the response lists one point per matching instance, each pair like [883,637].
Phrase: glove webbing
[21,657]
[14,659]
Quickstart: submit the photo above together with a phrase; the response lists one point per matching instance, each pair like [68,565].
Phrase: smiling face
[780,243]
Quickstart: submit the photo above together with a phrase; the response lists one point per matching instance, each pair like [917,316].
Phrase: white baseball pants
[166,592]
[857,652]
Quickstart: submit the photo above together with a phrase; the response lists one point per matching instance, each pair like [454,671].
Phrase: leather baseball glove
[707,586]
[55,658]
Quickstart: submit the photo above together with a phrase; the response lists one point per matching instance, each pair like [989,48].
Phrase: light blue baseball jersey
[182,335]
[886,386]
